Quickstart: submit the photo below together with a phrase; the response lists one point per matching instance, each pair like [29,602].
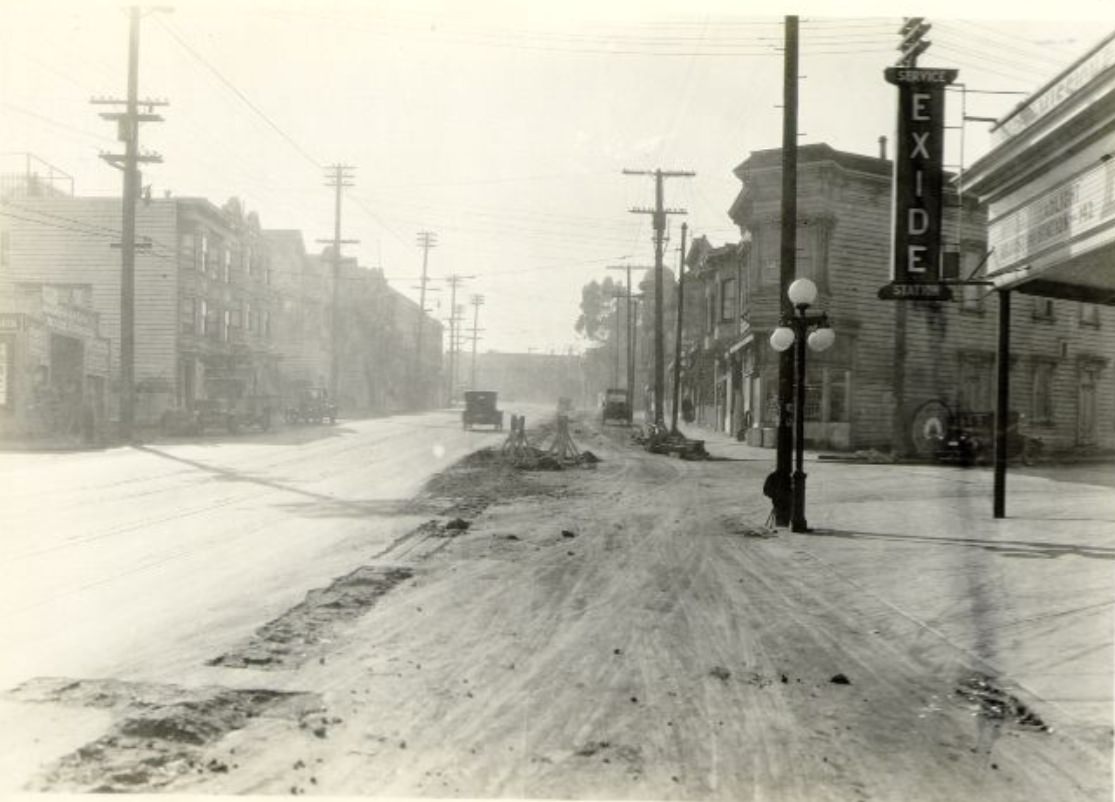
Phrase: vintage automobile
[227,408]
[480,409]
[947,435]
[311,405]
[616,406]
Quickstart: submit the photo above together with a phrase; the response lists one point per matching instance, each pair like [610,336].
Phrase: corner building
[1049,186]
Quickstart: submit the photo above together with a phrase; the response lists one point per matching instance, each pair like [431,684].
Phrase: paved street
[630,631]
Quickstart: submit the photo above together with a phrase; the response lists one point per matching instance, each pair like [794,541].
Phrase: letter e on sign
[919,111]
[914,264]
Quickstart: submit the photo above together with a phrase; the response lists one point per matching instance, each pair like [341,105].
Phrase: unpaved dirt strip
[635,632]
[158,733]
[468,487]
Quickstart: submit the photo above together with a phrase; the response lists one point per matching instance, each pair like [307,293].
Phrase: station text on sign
[918,172]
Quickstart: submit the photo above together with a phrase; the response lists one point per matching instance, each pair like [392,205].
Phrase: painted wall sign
[1055,218]
[1045,101]
[917,185]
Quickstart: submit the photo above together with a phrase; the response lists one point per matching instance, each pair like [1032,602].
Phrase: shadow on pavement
[1007,548]
[321,506]
[285,436]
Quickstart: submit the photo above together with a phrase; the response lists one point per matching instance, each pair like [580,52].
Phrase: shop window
[975,382]
[814,402]
[1041,398]
[838,398]
[1089,315]
[727,299]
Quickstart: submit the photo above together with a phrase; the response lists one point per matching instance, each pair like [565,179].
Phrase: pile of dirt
[993,703]
[160,732]
[289,640]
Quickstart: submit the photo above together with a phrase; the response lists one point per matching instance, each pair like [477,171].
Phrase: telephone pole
[338,178]
[127,123]
[477,301]
[659,213]
[631,333]
[454,280]
[616,296]
[787,265]
[426,240]
[677,338]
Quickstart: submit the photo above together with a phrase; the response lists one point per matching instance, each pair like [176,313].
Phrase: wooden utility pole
[677,337]
[787,260]
[658,215]
[477,301]
[631,334]
[616,297]
[338,177]
[426,240]
[127,123]
[454,280]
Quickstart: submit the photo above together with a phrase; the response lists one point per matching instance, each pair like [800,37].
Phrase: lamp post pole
[797,522]
[792,333]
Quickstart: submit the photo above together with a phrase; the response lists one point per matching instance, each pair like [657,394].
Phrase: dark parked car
[616,406]
[312,405]
[480,410]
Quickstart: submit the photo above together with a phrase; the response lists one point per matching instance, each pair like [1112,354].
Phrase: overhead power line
[239,94]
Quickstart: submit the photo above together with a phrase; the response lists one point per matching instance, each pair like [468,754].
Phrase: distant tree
[597,306]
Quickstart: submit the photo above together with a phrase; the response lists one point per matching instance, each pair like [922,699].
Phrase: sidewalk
[1030,596]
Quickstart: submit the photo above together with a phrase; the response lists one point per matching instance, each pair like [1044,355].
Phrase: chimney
[882,147]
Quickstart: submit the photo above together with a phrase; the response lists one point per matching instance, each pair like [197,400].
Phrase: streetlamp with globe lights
[801,329]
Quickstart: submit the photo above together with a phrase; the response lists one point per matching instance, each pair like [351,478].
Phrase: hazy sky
[502,127]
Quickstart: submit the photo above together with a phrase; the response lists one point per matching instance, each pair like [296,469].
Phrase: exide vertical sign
[918,182]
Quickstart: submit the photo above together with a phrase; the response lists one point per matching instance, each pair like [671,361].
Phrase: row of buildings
[225,311]
[1035,217]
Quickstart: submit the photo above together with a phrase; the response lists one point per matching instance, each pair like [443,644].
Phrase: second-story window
[247,260]
[201,253]
[226,267]
[189,315]
[5,248]
[727,299]
[1089,314]
[1043,309]
[226,323]
[203,317]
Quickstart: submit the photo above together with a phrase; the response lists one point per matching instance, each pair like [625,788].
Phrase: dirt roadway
[625,632]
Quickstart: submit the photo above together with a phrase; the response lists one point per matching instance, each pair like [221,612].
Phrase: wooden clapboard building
[203,292]
[863,392]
